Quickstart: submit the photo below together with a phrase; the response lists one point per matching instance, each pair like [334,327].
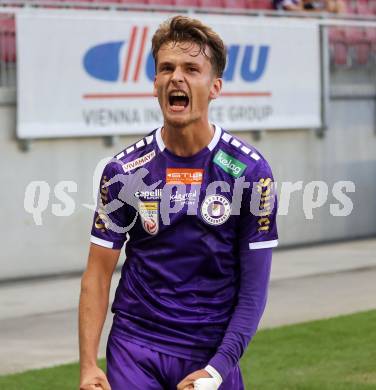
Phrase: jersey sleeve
[111,218]
[257,235]
[258,225]
[254,280]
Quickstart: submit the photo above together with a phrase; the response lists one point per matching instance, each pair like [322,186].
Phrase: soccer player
[198,253]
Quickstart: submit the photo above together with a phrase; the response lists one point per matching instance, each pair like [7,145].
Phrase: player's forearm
[255,272]
[92,314]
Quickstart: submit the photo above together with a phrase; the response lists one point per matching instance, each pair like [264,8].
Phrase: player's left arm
[257,237]
[255,271]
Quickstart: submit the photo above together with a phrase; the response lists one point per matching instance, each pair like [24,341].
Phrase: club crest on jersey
[215,209]
[149,216]
[139,162]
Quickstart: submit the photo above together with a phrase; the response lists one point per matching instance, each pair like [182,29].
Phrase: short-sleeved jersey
[185,221]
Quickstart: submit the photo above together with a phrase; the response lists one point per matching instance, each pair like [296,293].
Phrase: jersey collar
[212,144]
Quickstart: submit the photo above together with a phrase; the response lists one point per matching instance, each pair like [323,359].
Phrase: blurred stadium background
[41,261]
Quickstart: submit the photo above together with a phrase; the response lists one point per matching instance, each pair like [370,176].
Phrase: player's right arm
[108,235]
[94,298]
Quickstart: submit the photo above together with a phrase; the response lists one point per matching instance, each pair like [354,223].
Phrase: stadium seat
[235,4]
[366,50]
[350,7]
[107,1]
[362,9]
[354,35]
[340,55]
[7,25]
[352,42]
[348,2]
[8,48]
[362,53]
[160,2]
[338,46]
[337,35]
[211,3]
[259,4]
[7,40]
[266,4]
[136,2]
[187,3]
[371,35]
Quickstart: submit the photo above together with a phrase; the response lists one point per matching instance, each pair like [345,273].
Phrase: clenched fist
[93,379]
[188,382]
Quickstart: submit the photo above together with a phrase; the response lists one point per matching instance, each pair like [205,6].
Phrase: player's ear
[155,93]
[216,88]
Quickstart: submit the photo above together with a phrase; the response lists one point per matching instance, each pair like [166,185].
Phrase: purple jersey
[184,228]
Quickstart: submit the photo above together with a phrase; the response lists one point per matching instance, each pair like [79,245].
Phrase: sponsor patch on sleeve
[265,187]
[139,162]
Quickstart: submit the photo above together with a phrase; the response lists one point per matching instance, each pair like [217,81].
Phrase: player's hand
[94,379]
[188,382]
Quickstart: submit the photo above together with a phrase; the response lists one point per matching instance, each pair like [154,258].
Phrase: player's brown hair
[184,29]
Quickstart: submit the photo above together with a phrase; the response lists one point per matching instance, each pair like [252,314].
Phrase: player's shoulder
[251,160]
[136,155]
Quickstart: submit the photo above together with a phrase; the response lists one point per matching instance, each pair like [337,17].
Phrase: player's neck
[189,140]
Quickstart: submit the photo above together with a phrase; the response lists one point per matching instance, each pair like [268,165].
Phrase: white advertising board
[87,73]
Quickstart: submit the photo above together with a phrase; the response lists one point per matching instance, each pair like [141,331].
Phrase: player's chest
[188,197]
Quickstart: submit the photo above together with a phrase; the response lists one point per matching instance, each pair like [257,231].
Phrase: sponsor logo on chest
[149,216]
[229,164]
[184,198]
[184,176]
[149,195]
[177,197]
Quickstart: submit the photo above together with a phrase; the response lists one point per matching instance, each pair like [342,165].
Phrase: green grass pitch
[333,354]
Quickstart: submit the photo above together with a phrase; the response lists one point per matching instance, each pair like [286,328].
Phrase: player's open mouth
[178,100]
